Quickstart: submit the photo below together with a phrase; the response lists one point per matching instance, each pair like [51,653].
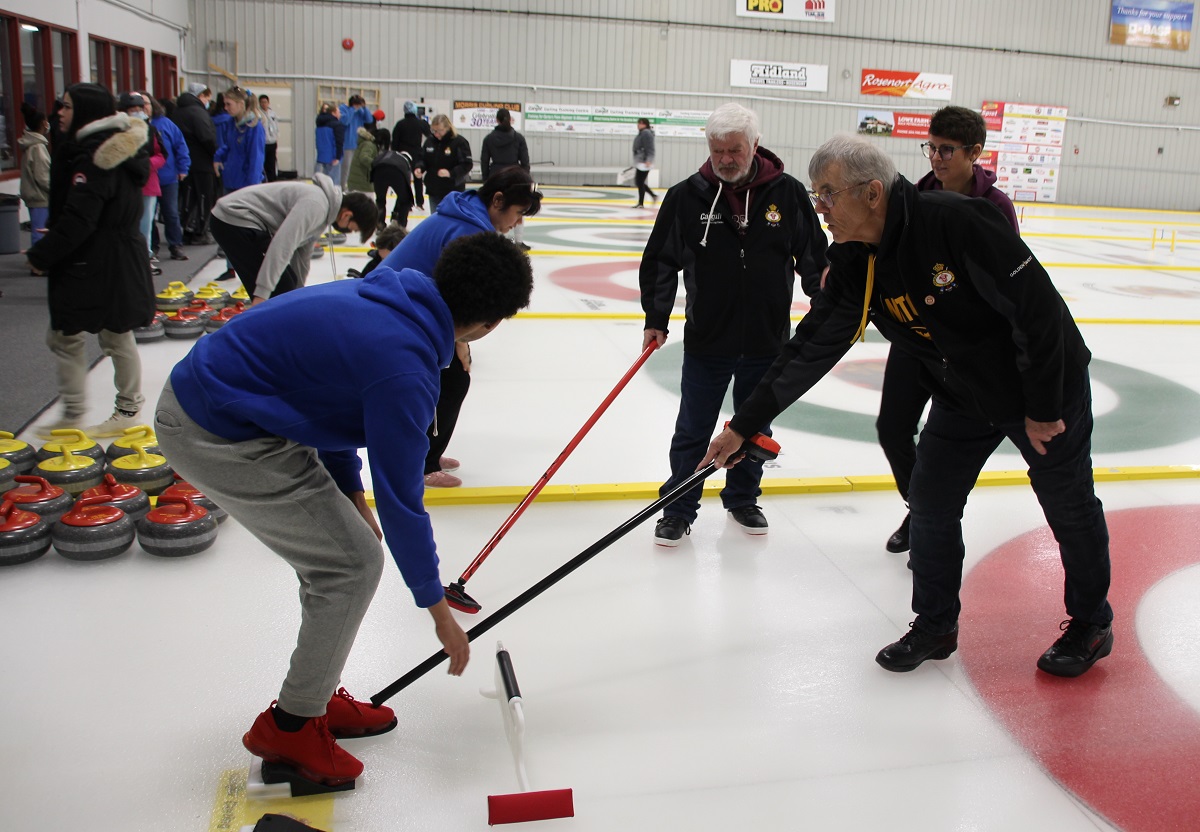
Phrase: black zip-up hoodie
[955,286]
[739,281]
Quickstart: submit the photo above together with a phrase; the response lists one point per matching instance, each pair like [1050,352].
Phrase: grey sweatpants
[284,496]
[70,356]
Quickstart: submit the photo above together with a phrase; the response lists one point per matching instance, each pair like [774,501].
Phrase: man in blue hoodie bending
[266,416]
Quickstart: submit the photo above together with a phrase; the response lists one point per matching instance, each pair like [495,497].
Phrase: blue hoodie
[179,161]
[460,213]
[365,374]
[353,119]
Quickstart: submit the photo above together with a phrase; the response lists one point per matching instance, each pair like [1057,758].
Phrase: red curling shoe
[312,750]
[349,718]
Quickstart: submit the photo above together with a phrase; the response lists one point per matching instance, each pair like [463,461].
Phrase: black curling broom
[759,447]
[456,593]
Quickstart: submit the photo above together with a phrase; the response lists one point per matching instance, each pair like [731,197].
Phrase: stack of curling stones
[149,472]
[24,536]
[72,461]
[93,529]
[20,455]
[35,494]
[176,527]
[129,440]
[174,297]
[224,316]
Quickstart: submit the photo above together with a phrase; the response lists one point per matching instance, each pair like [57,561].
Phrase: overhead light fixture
[29,27]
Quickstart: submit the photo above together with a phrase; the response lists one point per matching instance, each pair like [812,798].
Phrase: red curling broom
[456,593]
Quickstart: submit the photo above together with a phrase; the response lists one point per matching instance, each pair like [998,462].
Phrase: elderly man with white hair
[740,230]
[946,279]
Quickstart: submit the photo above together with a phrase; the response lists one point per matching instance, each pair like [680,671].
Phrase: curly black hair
[515,186]
[364,212]
[483,278]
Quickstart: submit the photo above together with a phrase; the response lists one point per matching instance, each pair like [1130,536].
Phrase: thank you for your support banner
[1159,24]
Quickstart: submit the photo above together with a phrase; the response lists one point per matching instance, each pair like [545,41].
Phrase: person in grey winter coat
[503,148]
[95,256]
[35,170]
[643,160]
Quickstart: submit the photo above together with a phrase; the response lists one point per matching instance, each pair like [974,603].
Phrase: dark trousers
[456,381]
[404,202]
[168,206]
[643,189]
[270,165]
[900,407]
[198,194]
[245,249]
[950,454]
[702,389]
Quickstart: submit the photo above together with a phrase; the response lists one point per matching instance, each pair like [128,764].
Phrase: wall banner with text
[778,75]
[1159,24]
[590,120]
[906,84]
[481,115]
[812,11]
[1026,145]
[893,124]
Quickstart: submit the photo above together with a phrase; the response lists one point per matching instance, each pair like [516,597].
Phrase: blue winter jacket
[459,214]
[330,135]
[353,119]
[179,161]
[222,122]
[365,374]
[243,153]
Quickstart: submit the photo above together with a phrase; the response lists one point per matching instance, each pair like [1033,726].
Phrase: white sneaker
[45,431]
[114,425]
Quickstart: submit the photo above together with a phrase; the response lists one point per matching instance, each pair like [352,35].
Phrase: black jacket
[198,130]
[503,148]
[409,135]
[447,153]
[955,286]
[94,251]
[740,284]
[394,170]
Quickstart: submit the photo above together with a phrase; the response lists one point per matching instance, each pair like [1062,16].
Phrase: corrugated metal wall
[676,53]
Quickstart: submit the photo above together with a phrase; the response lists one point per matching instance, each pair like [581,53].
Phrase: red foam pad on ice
[527,806]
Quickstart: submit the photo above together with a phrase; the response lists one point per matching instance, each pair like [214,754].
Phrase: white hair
[860,158]
[732,118]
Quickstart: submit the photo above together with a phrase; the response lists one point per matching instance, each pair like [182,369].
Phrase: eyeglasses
[944,152]
[819,199]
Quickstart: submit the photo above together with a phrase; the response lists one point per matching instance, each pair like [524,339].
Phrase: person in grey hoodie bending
[503,148]
[267,230]
[643,160]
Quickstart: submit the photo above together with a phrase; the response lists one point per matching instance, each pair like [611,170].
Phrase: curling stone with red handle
[198,306]
[224,316]
[184,324]
[70,472]
[149,472]
[181,488]
[129,498]
[20,454]
[79,442]
[156,330]
[24,536]
[127,443]
[174,297]
[43,499]
[176,527]
[93,530]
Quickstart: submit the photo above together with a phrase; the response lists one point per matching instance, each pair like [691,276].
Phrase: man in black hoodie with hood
[503,148]
[740,230]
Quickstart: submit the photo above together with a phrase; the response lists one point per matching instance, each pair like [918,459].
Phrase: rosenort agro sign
[906,84]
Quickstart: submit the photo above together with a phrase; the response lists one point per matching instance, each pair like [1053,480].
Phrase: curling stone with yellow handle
[174,297]
[129,498]
[24,536]
[128,442]
[240,294]
[71,472]
[8,473]
[79,442]
[176,527]
[93,529]
[20,454]
[149,472]
[213,295]
[43,499]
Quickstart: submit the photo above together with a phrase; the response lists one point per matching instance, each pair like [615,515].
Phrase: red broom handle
[562,457]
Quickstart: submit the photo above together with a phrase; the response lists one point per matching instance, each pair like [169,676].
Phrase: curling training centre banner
[1025,144]
[482,114]
[1159,24]
[812,11]
[585,120]
[906,84]
[893,124]
[778,75]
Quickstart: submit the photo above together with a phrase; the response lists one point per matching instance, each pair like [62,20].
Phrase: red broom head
[527,806]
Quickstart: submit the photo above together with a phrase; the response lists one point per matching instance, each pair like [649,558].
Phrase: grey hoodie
[35,169]
[293,213]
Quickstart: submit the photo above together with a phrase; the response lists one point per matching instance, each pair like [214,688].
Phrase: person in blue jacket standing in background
[330,137]
[239,161]
[178,164]
[352,116]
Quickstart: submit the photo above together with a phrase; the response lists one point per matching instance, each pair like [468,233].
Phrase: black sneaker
[898,542]
[1079,647]
[916,646]
[750,518]
[230,274]
[670,530]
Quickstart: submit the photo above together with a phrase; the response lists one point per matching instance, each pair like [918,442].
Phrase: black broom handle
[547,582]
